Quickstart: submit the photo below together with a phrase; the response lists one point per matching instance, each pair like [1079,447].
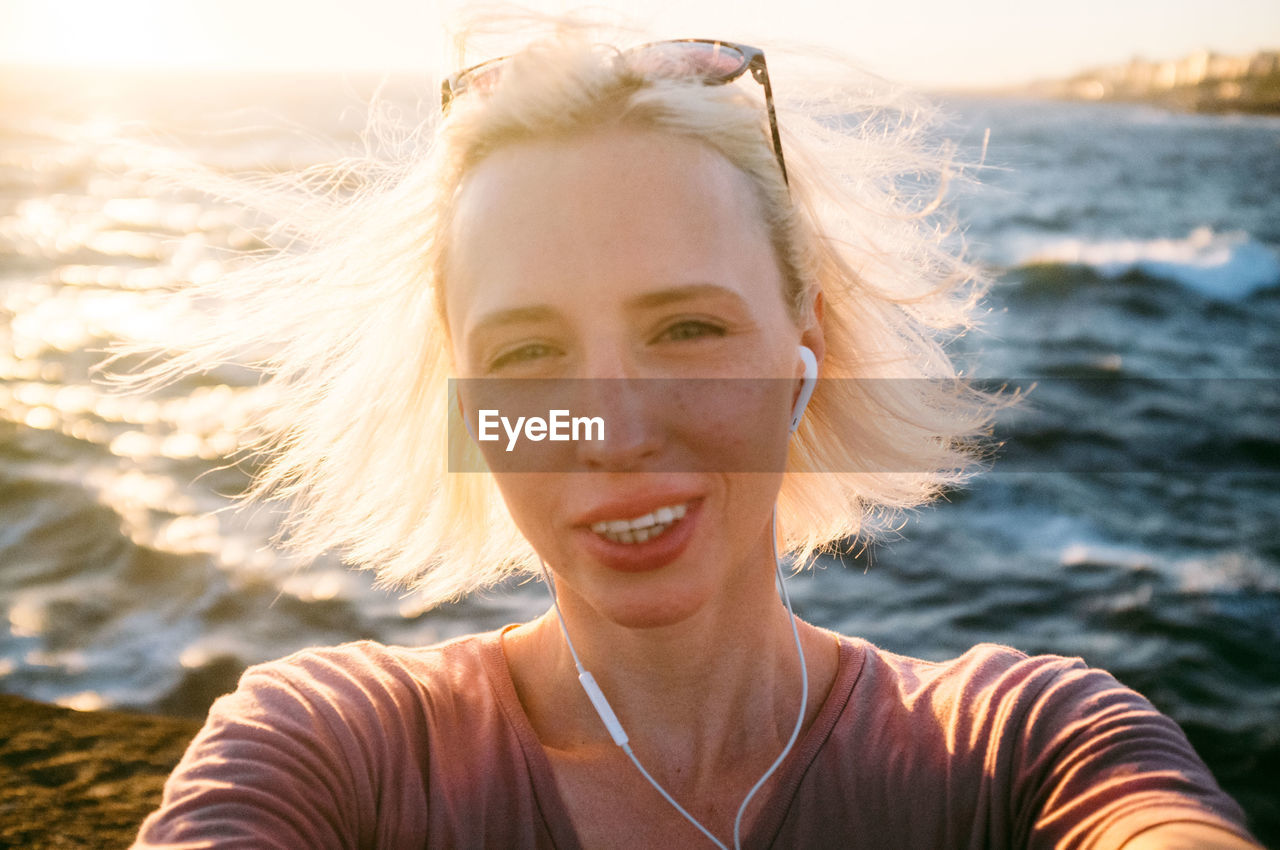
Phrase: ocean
[1132,517]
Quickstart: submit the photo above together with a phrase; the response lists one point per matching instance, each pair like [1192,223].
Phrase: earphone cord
[795,732]
[804,686]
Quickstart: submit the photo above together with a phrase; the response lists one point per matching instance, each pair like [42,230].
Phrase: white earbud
[806,388]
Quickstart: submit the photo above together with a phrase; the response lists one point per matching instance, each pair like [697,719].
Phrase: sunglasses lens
[711,61]
[714,61]
[479,80]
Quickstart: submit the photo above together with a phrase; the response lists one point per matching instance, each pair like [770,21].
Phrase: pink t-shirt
[373,746]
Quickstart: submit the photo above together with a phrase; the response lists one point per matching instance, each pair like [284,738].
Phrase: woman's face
[625,268]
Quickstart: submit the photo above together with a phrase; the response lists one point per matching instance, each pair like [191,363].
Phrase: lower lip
[652,554]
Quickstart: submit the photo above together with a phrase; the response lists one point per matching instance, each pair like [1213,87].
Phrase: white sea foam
[1225,266]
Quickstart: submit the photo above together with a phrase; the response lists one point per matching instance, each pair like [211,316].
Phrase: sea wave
[1221,266]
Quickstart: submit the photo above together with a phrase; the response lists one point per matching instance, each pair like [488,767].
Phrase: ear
[807,385]
[811,335]
[812,347]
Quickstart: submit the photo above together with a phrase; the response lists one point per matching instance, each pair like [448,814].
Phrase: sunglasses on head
[713,62]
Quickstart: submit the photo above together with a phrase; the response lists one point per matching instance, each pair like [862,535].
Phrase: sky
[947,43]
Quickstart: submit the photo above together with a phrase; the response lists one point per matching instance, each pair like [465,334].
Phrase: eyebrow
[513,316]
[682,293]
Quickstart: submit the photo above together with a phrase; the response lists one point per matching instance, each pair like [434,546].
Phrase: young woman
[622,229]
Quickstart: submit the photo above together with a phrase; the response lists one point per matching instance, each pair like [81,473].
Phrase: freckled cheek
[735,425]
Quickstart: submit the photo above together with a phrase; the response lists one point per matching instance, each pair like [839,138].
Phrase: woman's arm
[1188,836]
[287,761]
[1098,762]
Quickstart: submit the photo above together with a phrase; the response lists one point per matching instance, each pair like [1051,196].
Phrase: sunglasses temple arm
[761,73]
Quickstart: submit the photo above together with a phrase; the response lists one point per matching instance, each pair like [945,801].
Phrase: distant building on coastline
[1202,82]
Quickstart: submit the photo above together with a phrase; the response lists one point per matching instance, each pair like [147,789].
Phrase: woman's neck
[717,690]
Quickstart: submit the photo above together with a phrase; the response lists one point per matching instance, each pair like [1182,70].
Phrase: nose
[631,407]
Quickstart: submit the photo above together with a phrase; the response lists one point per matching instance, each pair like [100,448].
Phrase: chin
[653,613]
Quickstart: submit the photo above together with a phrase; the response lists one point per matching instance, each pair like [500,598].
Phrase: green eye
[691,329]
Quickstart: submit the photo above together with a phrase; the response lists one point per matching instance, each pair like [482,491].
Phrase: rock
[81,779]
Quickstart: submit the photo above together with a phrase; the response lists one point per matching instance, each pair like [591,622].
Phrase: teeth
[641,528]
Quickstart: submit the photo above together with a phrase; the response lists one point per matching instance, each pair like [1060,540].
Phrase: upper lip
[633,506]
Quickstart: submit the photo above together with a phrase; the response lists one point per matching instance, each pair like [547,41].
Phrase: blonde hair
[346,319]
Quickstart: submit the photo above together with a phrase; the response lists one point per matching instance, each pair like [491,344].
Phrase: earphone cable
[626,747]
[564,629]
[804,690]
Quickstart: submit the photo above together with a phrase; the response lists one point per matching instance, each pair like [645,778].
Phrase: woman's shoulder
[329,739]
[981,659]
[361,660]
[995,695]
[365,677]
[1058,744]
[984,669]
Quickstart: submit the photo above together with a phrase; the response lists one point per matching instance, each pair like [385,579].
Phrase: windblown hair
[347,319]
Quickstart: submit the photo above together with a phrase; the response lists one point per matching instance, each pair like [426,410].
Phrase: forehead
[608,213]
